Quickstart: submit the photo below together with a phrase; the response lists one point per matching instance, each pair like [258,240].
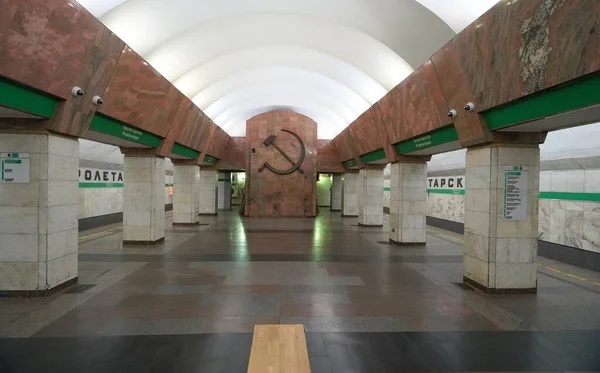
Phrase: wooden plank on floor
[279,349]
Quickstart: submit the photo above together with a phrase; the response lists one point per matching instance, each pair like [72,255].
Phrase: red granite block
[271,194]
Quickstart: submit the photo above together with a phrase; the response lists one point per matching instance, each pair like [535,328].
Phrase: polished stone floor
[190,304]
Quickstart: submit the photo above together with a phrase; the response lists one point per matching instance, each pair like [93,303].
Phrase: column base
[349,216]
[370,226]
[407,243]
[336,210]
[208,214]
[145,243]
[187,224]
[485,289]
[39,293]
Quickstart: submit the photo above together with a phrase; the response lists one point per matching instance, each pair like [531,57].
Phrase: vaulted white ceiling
[328,59]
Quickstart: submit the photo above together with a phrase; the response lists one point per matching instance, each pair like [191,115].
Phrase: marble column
[336,192]
[224,188]
[38,217]
[186,189]
[143,199]
[370,197]
[350,194]
[208,192]
[500,254]
[408,203]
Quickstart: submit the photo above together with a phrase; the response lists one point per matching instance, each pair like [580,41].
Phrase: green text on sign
[210,159]
[110,126]
[436,137]
[351,163]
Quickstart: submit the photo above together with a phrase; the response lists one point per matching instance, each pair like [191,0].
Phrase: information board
[515,192]
[14,168]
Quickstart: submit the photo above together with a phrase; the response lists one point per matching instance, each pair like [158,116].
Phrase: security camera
[470,106]
[452,113]
[77,91]
[97,100]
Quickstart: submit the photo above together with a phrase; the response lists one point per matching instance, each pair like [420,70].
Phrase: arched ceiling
[328,59]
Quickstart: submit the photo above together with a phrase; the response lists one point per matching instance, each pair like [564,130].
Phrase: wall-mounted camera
[97,100]
[77,91]
[470,106]
[452,113]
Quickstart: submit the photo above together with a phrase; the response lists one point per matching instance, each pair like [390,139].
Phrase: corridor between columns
[350,289]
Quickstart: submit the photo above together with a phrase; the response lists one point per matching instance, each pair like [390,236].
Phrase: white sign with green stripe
[15,168]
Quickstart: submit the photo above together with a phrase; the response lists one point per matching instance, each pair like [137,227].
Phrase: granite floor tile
[353,324]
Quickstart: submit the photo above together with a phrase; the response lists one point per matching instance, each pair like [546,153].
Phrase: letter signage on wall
[446,185]
[98,178]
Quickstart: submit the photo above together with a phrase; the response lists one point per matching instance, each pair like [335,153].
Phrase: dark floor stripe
[270,258]
[378,352]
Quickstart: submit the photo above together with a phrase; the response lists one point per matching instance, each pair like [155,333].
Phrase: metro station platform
[190,304]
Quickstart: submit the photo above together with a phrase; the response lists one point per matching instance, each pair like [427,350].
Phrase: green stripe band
[22,98]
[446,191]
[101,185]
[574,95]
[571,196]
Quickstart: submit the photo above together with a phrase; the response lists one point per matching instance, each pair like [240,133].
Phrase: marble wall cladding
[328,158]
[365,135]
[234,156]
[137,94]
[370,197]
[52,46]
[350,194]
[271,194]
[574,223]
[38,251]
[343,145]
[414,106]
[56,44]
[144,199]
[336,192]
[186,193]
[446,206]
[217,143]
[501,253]
[545,43]
[207,203]
[99,201]
[104,201]
[408,202]
[47,45]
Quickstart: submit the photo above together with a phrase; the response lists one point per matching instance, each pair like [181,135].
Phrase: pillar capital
[411,159]
[373,166]
[139,152]
[514,140]
[184,162]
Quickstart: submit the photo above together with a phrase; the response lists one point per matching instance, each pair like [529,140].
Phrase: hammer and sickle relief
[295,165]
